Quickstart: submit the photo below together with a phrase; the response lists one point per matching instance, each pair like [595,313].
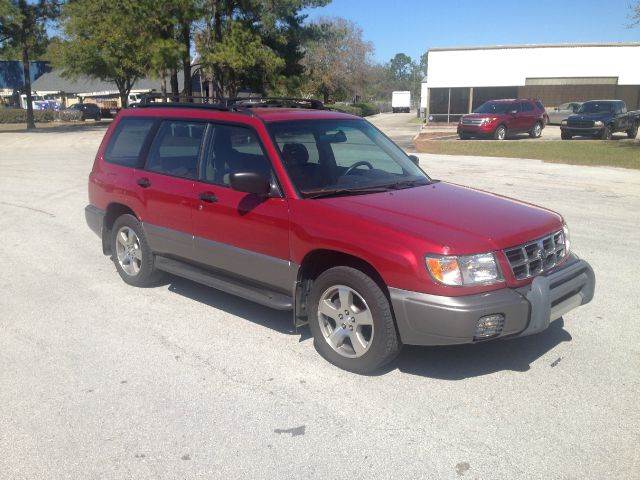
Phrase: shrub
[19,115]
[360,109]
[367,109]
[68,115]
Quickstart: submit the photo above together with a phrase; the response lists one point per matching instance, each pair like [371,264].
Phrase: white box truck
[401,101]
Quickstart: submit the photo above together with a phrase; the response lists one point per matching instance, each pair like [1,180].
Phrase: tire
[372,325]
[606,134]
[500,133]
[565,136]
[135,269]
[536,131]
[633,132]
[463,136]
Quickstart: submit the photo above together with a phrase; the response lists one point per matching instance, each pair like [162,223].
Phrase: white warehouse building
[461,79]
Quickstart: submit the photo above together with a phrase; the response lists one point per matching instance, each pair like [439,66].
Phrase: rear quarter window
[127,141]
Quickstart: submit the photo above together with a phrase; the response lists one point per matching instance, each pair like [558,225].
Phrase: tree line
[264,46]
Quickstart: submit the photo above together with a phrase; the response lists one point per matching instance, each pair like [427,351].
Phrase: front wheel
[500,133]
[633,132]
[565,136]
[536,131]
[351,321]
[606,134]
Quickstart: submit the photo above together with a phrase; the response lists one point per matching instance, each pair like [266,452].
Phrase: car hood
[591,116]
[452,218]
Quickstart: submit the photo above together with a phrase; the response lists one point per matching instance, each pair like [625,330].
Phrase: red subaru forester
[301,208]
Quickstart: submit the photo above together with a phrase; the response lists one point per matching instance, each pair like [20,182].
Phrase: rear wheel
[536,131]
[566,136]
[633,132]
[131,253]
[500,133]
[351,321]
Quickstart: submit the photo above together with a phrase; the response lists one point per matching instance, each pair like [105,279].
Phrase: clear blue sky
[413,26]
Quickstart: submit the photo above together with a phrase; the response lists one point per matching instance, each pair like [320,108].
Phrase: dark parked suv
[498,119]
[318,212]
[601,119]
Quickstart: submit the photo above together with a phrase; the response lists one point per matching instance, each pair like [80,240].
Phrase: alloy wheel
[128,251]
[346,322]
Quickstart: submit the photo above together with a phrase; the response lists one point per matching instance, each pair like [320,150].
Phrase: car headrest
[295,154]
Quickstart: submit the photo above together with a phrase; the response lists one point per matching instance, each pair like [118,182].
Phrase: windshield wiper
[409,183]
[335,192]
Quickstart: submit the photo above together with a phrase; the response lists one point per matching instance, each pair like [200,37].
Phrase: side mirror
[414,159]
[250,182]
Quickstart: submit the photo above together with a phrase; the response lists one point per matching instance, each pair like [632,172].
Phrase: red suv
[500,118]
[318,212]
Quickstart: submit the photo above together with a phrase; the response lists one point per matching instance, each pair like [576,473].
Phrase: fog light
[489,326]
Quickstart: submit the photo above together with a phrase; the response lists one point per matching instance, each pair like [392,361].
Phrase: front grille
[580,123]
[472,121]
[537,256]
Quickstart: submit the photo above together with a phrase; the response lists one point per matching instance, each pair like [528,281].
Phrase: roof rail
[204,106]
[274,102]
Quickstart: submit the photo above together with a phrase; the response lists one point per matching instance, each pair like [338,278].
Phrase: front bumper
[425,319]
[480,130]
[589,131]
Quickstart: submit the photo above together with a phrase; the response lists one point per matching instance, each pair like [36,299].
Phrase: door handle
[208,197]
[144,182]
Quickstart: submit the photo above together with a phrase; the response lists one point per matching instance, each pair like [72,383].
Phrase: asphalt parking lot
[103,380]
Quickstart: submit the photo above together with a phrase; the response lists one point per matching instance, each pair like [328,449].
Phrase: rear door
[166,186]
[528,116]
[235,232]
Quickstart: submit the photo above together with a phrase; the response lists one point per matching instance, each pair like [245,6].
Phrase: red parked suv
[500,118]
[318,212]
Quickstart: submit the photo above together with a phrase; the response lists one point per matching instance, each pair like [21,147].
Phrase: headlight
[464,270]
[564,122]
[567,239]
[598,124]
[488,120]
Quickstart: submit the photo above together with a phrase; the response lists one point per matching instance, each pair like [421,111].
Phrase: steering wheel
[356,165]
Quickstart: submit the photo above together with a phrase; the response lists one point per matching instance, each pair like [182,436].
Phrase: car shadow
[279,321]
[464,361]
[444,363]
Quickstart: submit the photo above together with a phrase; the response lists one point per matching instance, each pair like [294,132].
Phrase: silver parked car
[562,112]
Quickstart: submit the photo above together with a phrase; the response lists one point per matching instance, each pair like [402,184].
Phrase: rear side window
[127,141]
[176,148]
[526,107]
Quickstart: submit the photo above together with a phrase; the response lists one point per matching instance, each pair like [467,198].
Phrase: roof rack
[275,102]
[240,104]
[206,106]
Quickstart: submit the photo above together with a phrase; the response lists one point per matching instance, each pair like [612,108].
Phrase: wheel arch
[113,211]
[317,261]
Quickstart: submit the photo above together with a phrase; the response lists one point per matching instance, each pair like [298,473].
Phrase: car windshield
[342,157]
[495,107]
[596,107]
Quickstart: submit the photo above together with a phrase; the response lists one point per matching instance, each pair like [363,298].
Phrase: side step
[257,294]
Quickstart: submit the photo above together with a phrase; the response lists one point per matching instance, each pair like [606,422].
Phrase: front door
[235,232]
[167,184]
